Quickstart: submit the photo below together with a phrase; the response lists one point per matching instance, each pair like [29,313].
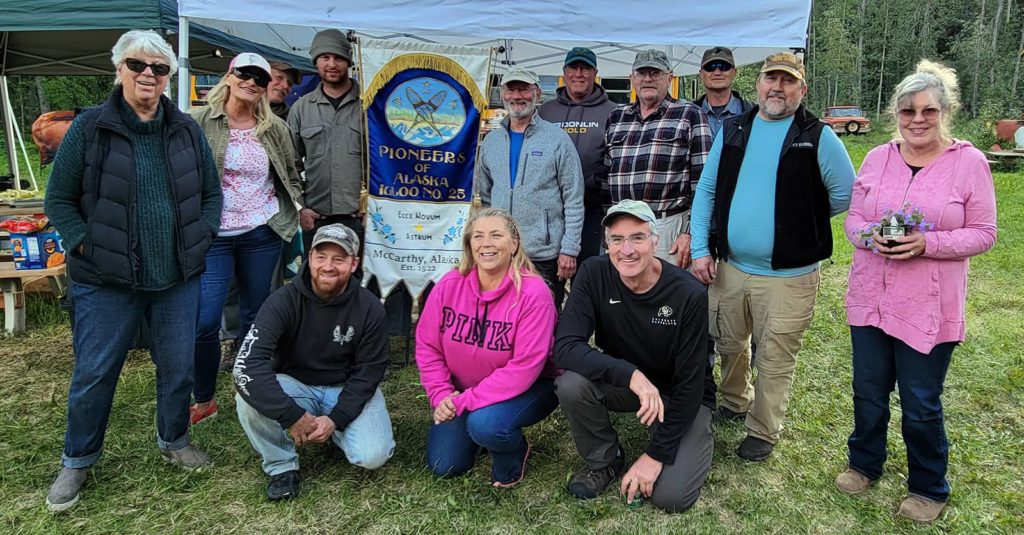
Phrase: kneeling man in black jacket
[310,368]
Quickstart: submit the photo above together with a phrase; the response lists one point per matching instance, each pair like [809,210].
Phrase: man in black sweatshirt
[650,322]
[310,368]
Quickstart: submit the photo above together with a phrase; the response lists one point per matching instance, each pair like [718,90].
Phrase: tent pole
[184,81]
[12,152]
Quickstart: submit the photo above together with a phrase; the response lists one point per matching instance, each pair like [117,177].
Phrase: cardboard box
[37,250]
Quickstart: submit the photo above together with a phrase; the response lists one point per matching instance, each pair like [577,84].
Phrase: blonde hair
[934,77]
[521,263]
[218,97]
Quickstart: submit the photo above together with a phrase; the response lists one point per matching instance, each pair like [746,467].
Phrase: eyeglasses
[637,239]
[929,114]
[259,78]
[717,66]
[653,74]
[139,66]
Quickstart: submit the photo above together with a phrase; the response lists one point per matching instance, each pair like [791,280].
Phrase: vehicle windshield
[845,112]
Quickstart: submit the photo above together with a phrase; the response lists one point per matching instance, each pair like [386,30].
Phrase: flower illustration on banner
[453,231]
[381,228]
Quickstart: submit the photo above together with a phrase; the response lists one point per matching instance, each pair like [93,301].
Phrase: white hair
[934,77]
[146,42]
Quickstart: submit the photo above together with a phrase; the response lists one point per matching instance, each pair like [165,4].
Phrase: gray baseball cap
[520,75]
[339,235]
[637,209]
[651,58]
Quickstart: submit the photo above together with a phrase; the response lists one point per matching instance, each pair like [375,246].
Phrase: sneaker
[921,509]
[729,415]
[853,482]
[65,489]
[504,485]
[195,415]
[589,484]
[190,458]
[755,449]
[284,486]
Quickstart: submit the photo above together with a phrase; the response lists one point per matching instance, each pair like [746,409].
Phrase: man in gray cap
[327,130]
[310,367]
[282,78]
[649,317]
[656,151]
[720,101]
[530,168]
[581,108]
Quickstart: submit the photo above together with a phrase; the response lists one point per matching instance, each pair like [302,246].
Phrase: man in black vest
[773,179]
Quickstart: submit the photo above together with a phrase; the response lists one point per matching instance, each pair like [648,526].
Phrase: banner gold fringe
[423,61]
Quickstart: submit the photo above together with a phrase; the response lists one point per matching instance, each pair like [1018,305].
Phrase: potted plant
[895,224]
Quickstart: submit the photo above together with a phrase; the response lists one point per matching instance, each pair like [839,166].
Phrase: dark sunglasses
[258,77]
[139,66]
[717,66]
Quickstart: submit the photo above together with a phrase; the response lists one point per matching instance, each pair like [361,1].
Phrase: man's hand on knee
[324,429]
[651,406]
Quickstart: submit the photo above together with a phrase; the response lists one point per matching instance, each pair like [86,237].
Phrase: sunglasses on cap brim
[258,77]
[139,66]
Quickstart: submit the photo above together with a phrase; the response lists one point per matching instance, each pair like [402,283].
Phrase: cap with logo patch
[249,59]
[786,62]
[635,208]
[719,53]
[339,235]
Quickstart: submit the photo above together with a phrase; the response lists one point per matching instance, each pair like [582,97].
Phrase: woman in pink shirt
[483,347]
[905,303]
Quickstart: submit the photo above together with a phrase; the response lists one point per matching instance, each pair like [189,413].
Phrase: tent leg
[184,81]
[8,111]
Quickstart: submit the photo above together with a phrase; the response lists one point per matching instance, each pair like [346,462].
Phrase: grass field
[132,490]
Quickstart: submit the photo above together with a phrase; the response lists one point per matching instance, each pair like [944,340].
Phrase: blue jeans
[252,258]
[106,319]
[452,447]
[367,441]
[881,361]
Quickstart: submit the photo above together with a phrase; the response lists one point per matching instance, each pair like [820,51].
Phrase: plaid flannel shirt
[658,159]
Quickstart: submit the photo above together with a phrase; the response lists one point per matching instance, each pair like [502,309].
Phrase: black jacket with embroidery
[342,341]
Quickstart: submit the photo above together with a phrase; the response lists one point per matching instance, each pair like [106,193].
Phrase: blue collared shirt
[715,120]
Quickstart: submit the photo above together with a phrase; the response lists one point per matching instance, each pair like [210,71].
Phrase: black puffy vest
[111,247]
[803,234]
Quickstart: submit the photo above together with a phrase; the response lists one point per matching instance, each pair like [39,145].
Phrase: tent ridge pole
[184,81]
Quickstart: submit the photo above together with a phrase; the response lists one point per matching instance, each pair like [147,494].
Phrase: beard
[775,110]
[527,111]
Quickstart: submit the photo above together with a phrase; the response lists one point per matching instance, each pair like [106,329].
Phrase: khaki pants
[776,311]
[669,228]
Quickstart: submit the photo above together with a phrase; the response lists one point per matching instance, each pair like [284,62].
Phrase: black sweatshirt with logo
[662,332]
[342,341]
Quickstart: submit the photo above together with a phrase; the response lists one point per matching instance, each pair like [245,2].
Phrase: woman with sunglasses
[905,300]
[256,162]
[135,195]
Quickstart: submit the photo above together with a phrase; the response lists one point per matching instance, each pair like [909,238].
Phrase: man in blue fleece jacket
[531,168]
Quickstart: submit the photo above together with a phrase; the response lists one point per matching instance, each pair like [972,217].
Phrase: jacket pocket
[314,140]
[547,227]
[356,146]
[713,307]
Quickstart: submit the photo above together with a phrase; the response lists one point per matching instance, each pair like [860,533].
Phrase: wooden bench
[12,282]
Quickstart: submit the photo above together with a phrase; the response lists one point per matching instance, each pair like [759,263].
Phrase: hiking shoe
[190,458]
[195,415]
[65,489]
[284,486]
[522,473]
[729,415]
[589,484]
[755,449]
[853,482]
[921,509]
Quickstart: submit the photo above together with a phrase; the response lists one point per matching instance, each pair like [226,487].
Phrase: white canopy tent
[534,34]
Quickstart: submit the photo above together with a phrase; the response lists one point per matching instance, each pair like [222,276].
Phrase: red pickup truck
[847,120]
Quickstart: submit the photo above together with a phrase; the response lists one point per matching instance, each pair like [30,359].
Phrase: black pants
[548,270]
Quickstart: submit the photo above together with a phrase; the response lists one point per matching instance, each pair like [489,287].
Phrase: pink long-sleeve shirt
[920,300]
[514,350]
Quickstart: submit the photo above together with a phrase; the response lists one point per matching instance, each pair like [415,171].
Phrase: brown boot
[852,482]
[921,509]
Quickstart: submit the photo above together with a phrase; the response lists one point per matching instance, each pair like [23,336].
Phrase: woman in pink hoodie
[483,347]
[905,303]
